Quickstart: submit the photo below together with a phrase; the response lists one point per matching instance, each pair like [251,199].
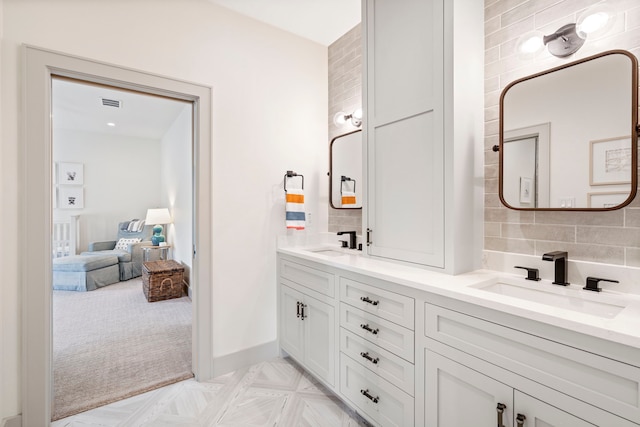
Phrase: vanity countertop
[623,328]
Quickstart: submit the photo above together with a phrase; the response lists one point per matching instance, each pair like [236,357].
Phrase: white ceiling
[78,106]
[323,21]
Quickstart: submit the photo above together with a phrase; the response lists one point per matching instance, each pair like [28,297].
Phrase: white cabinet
[422,130]
[487,363]
[307,332]
[461,396]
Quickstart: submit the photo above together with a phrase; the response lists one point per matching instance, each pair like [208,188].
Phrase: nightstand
[162,253]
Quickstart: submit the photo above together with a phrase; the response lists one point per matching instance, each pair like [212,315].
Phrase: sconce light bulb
[357,113]
[593,23]
[596,21]
[340,119]
[531,45]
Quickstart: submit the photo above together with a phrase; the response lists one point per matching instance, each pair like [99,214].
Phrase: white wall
[269,116]
[176,178]
[121,179]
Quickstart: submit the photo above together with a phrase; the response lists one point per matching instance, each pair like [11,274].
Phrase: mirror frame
[330,174]
[635,129]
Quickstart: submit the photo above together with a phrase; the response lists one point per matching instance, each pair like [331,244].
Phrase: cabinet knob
[520,420]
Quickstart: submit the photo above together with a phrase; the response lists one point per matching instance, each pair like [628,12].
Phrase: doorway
[116,155]
[40,66]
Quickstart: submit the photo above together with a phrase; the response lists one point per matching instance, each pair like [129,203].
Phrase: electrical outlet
[568,202]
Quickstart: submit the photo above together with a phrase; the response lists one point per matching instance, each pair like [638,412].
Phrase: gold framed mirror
[569,136]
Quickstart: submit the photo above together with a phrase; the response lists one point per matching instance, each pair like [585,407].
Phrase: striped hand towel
[348,199]
[295,209]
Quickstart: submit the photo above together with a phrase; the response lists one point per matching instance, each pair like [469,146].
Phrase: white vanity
[404,346]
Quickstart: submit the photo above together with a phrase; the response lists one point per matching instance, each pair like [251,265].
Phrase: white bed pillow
[124,243]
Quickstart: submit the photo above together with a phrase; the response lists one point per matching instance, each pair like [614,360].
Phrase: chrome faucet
[352,238]
[560,259]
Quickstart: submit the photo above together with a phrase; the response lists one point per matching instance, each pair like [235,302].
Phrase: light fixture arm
[564,42]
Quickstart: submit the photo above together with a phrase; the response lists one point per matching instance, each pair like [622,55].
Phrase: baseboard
[241,359]
[12,421]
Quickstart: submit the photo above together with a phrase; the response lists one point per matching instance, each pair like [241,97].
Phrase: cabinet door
[457,396]
[291,328]
[540,414]
[319,338]
[405,130]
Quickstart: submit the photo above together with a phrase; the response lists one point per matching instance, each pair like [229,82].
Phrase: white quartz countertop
[623,328]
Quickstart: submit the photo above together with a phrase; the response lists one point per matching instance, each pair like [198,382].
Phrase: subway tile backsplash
[606,237]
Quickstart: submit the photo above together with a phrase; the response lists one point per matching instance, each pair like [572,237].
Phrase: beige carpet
[110,344]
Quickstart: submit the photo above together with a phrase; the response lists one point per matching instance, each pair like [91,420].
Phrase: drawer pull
[369,300]
[500,408]
[369,396]
[520,420]
[298,309]
[302,313]
[369,358]
[368,328]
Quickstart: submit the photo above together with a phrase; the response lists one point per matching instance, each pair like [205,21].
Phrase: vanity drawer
[387,335]
[386,365]
[388,305]
[318,280]
[380,400]
[600,381]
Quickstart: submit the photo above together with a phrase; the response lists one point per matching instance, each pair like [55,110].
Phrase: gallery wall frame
[610,161]
[70,173]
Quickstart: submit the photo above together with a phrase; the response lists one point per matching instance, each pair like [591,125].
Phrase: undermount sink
[329,251]
[599,305]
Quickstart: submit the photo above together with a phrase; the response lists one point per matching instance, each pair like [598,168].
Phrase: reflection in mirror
[568,137]
[345,173]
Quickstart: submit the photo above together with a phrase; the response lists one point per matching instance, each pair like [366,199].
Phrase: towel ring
[291,174]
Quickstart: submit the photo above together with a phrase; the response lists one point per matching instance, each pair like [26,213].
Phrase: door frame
[38,67]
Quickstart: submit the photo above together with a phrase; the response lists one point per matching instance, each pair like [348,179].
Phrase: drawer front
[388,305]
[318,280]
[602,382]
[386,365]
[375,397]
[387,335]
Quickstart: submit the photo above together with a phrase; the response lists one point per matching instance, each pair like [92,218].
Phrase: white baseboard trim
[15,421]
[241,359]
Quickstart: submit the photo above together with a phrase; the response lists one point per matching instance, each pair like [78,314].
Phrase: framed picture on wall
[71,197]
[610,161]
[606,199]
[70,173]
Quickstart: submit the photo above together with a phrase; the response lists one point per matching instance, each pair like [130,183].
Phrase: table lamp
[158,216]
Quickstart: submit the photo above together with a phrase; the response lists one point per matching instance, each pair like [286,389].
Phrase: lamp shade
[158,216]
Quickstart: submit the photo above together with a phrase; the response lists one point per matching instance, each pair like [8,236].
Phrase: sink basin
[604,306]
[329,251]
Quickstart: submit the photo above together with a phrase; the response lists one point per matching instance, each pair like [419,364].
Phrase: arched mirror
[345,171]
[568,136]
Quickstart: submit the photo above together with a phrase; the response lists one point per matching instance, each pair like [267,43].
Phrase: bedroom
[128,153]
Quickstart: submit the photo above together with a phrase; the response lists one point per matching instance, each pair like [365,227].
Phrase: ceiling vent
[106,102]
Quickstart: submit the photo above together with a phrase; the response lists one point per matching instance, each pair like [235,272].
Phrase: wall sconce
[568,39]
[341,118]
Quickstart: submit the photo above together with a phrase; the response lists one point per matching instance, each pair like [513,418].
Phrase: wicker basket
[162,280]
